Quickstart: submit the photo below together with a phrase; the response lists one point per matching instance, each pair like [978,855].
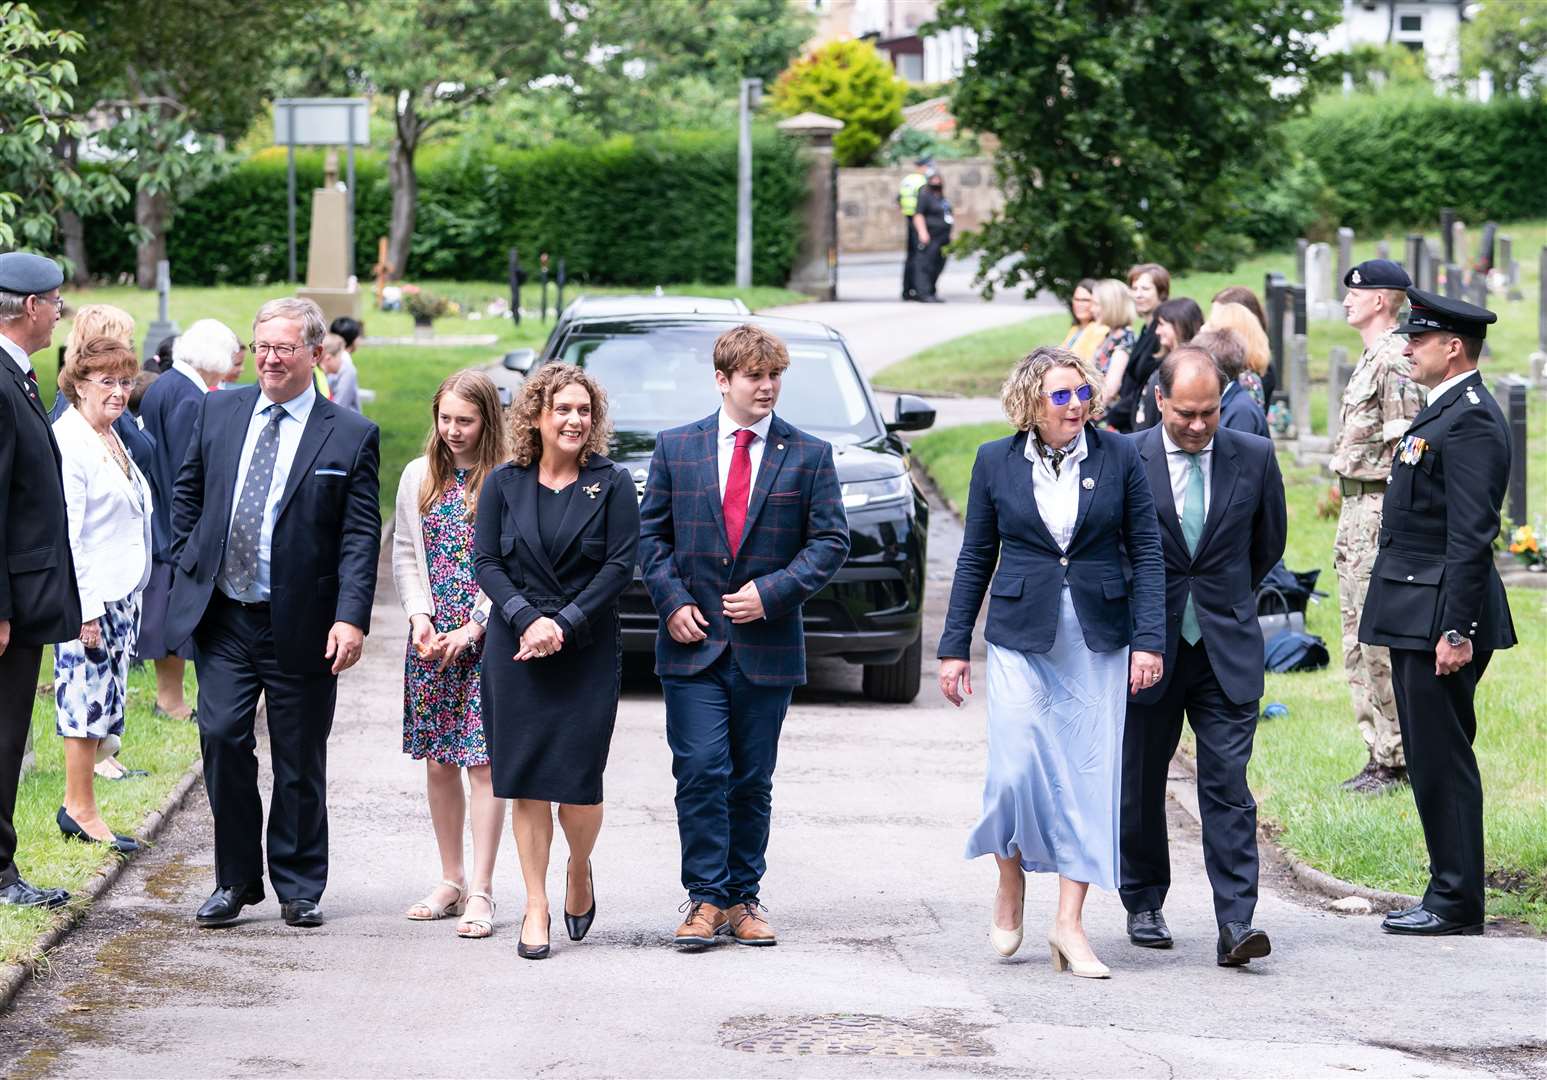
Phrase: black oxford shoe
[301,912]
[20,894]
[1148,930]
[225,904]
[1240,943]
[1422,922]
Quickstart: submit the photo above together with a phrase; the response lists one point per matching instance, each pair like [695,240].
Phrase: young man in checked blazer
[742,522]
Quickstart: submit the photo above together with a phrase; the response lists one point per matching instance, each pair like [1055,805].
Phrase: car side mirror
[911,414]
[520,360]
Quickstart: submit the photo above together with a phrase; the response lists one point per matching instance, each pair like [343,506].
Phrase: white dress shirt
[1058,497]
[1438,391]
[727,446]
[1178,465]
[17,353]
[297,410]
[187,371]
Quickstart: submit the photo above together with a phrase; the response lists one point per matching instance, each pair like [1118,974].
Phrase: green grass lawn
[976,364]
[1300,760]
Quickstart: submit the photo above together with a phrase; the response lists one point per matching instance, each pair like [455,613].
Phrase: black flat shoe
[1148,930]
[580,925]
[124,845]
[1240,944]
[225,904]
[1421,922]
[533,952]
[304,913]
[20,894]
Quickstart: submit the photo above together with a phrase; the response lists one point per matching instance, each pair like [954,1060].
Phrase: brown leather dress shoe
[704,921]
[748,925]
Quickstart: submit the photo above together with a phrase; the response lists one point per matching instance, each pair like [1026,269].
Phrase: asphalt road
[883,967]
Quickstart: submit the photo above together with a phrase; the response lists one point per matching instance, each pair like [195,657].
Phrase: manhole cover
[848,1034]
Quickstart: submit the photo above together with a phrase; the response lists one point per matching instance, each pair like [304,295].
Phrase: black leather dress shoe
[225,905]
[301,912]
[124,845]
[579,925]
[1240,943]
[1405,911]
[1422,922]
[1148,930]
[19,894]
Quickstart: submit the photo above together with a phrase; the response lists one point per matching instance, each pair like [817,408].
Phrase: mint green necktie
[1192,532]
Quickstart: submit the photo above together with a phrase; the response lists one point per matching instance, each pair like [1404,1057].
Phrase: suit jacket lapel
[524,480]
[1223,472]
[709,480]
[773,459]
[319,425]
[595,480]
[1443,402]
[1153,451]
[28,388]
[1022,484]
[1090,476]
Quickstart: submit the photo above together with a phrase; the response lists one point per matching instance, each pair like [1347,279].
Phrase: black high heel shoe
[124,845]
[580,925]
[533,952]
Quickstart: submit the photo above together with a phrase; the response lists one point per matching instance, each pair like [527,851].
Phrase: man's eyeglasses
[1061,397]
[110,385]
[284,352]
[57,301]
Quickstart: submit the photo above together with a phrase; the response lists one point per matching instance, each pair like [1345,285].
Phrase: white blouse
[1058,497]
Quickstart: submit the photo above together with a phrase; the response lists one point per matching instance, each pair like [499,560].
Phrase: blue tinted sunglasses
[1061,397]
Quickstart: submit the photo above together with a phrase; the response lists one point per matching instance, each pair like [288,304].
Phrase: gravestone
[1453,281]
[1345,256]
[1413,260]
[1300,386]
[1485,261]
[163,327]
[1339,371]
[1512,394]
[1447,219]
[1301,246]
[1460,251]
[328,253]
[1320,302]
[1511,267]
[1432,262]
[1274,294]
[1541,302]
[1476,290]
[1382,249]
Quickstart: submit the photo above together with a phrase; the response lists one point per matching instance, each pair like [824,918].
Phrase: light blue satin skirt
[1055,741]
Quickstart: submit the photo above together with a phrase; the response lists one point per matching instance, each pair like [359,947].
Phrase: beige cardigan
[410,567]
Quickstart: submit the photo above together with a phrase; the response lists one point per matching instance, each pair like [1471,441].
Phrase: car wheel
[897,683]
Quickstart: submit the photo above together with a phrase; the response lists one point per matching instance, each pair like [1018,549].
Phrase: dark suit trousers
[910,249]
[724,736]
[1224,733]
[236,663]
[19,666]
[1438,724]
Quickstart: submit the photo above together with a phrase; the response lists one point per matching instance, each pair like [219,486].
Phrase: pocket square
[330,472]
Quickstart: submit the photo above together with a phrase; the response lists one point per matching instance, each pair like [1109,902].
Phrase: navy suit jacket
[1239,412]
[327,533]
[1243,538]
[1113,565]
[795,539]
[170,412]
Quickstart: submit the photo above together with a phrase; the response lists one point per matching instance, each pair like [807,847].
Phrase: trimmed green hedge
[629,211]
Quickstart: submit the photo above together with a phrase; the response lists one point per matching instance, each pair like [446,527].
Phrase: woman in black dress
[556,537]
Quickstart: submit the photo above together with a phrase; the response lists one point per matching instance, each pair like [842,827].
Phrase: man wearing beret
[1379,403]
[1437,603]
[39,603]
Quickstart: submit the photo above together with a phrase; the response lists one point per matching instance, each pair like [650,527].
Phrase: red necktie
[737,487]
[33,375]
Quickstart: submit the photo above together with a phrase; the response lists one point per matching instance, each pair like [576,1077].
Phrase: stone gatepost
[815,271]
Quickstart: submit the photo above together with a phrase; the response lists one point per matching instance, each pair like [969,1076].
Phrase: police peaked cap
[1430,311]
[29,275]
[1377,274]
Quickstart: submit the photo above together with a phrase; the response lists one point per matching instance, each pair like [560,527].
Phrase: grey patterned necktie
[247,522]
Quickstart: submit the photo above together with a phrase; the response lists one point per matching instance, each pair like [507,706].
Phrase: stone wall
[868,218]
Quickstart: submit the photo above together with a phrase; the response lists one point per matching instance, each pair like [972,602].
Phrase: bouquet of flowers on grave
[424,305]
[1524,546]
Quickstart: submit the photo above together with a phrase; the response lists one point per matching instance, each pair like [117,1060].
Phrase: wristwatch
[480,617]
[1454,639]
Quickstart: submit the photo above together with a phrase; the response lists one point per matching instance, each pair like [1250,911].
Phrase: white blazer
[109,515]
[410,566]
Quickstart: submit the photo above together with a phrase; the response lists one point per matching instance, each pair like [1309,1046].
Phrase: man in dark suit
[39,604]
[728,563]
[273,468]
[1220,500]
[1437,603]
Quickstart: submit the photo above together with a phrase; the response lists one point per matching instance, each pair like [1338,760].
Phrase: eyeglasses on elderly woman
[1061,397]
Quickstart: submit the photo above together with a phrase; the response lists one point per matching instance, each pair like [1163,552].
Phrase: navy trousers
[723,731]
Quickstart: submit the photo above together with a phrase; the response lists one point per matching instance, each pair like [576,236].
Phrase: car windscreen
[661,377]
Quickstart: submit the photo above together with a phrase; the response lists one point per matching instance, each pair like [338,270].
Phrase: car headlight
[863,493]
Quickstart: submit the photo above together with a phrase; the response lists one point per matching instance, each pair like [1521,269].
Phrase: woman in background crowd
[1176,322]
[1257,372]
[1258,361]
[1151,286]
[432,566]
[1113,307]
[108,503]
[1088,331]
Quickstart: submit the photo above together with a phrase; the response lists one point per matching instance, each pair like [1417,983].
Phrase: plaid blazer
[795,539]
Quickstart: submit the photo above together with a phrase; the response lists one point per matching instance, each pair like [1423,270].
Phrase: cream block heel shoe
[1085,969]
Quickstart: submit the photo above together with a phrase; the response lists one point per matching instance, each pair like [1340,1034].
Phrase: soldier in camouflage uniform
[1379,403]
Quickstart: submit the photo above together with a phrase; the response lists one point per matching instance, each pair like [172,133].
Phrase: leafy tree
[1126,126]
[1509,39]
[36,127]
[850,81]
[1377,67]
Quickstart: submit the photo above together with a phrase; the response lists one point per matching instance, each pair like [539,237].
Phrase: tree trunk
[150,212]
[71,227]
[405,189]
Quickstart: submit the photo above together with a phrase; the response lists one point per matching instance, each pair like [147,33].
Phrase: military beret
[1377,274]
[1429,311]
[29,274]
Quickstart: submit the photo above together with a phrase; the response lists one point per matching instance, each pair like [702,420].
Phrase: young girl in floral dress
[432,566]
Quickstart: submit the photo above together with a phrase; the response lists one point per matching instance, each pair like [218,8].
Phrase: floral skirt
[91,685]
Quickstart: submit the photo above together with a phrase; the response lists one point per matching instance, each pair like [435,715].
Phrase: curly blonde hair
[1021,397]
[537,392]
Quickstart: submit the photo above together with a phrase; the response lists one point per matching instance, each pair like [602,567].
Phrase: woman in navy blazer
[1061,533]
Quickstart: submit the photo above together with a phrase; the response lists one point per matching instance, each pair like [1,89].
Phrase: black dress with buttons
[1434,573]
[567,555]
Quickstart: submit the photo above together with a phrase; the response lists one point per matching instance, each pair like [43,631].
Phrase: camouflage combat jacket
[1379,404]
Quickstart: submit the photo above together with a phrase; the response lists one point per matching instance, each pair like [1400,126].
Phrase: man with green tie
[1220,500]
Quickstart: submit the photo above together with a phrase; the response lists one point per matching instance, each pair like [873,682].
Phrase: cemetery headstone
[1485,261]
[1274,292]
[1511,267]
[1459,248]
[1512,394]
[1300,385]
[1541,301]
[1432,262]
[1345,256]
[1412,259]
[1339,371]
[1301,246]
[1382,249]
[1319,299]
[1453,281]
[1447,219]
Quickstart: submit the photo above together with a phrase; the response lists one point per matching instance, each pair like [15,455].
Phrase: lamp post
[751,97]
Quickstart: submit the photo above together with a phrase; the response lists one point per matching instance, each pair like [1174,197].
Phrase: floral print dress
[443,710]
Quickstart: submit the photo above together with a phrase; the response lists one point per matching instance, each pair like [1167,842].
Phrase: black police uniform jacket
[1435,571]
[37,573]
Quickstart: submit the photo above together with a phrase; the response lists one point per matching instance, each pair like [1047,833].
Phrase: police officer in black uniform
[1437,602]
[935,222]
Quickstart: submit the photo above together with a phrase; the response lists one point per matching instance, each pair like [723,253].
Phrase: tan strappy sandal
[477,928]
[433,911]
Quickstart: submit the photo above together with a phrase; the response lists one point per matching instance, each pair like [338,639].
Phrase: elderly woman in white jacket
[108,502]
